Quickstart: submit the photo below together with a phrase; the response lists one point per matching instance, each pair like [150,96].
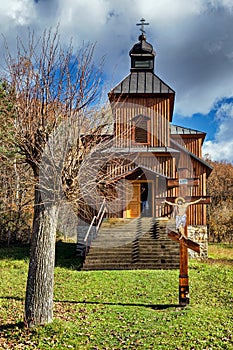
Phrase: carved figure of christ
[180,210]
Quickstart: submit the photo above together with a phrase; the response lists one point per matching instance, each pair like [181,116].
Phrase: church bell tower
[142,104]
[142,53]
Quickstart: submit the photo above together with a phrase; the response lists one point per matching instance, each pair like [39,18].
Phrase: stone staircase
[124,244]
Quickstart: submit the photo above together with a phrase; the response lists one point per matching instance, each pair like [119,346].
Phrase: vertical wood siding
[158,111]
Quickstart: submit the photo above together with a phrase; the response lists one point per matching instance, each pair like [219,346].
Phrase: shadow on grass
[150,306]
[12,326]
[18,252]
[65,254]
[86,302]
[11,297]
[157,307]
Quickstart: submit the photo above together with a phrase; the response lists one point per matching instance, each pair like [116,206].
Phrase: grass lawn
[121,309]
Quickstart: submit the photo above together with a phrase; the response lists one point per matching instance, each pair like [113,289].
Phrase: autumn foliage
[220,212]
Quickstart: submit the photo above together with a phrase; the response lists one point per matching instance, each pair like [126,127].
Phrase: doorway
[141,201]
[146,207]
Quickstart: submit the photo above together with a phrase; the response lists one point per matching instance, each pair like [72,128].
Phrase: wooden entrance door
[134,204]
[134,209]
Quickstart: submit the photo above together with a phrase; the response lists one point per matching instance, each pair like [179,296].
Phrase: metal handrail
[96,217]
[101,208]
[101,219]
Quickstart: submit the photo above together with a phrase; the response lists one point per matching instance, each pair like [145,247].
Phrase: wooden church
[153,160]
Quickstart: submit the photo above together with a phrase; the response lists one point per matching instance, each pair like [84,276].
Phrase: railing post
[98,217]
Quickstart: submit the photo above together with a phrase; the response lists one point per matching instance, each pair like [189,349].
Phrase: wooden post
[181,234]
[183,277]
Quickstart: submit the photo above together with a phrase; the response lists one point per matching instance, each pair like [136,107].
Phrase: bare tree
[51,85]
[14,196]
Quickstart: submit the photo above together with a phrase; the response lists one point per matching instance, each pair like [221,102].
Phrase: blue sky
[193,41]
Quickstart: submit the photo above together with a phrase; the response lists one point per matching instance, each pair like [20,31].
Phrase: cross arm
[176,182]
[175,236]
[204,199]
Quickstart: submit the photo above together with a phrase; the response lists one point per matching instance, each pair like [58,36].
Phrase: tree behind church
[220,211]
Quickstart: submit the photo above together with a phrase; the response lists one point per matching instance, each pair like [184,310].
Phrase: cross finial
[142,24]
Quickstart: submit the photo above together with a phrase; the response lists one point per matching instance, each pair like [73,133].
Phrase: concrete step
[109,251]
[118,260]
[136,266]
[168,258]
[132,244]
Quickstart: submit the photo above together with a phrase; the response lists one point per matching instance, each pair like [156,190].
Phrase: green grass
[223,251]
[120,309]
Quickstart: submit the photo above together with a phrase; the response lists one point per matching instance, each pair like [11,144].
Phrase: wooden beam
[171,183]
[205,200]
[175,236]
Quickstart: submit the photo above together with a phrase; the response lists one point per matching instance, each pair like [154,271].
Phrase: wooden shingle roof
[142,83]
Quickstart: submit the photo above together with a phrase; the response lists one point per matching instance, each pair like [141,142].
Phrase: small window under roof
[141,129]
[141,133]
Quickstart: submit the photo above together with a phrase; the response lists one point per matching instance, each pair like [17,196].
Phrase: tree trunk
[40,282]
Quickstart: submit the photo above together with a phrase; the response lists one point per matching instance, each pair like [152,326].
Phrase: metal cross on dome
[142,24]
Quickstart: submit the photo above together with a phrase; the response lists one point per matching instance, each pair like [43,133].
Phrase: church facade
[142,106]
[153,159]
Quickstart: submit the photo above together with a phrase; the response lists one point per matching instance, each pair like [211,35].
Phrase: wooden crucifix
[181,205]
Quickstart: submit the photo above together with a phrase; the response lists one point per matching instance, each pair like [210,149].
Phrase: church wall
[158,111]
[192,142]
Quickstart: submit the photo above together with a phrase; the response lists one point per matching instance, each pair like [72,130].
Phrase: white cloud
[218,151]
[167,11]
[193,40]
[222,146]
[16,12]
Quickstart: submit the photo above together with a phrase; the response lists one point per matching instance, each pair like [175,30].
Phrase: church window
[141,130]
